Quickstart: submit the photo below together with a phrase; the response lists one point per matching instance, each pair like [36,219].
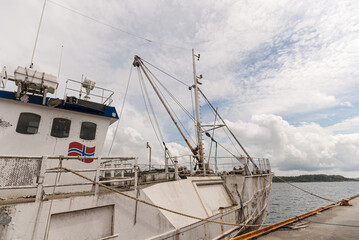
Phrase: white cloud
[277,58]
[347,126]
[308,147]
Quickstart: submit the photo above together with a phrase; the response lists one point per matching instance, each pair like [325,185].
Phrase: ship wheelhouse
[34,124]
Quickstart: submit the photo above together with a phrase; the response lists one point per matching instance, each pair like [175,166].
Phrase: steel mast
[198,113]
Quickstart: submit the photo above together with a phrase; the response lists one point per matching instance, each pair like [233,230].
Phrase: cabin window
[60,127]
[88,131]
[28,123]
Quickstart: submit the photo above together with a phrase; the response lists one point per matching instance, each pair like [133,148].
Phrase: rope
[332,224]
[148,113]
[113,27]
[154,205]
[123,105]
[166,73]
[169,93]
[270,188]
[153,77]
[315,195]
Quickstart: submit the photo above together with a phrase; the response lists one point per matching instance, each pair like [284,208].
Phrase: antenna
[37,35]
[58,73]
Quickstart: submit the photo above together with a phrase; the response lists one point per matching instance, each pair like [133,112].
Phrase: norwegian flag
[78,149]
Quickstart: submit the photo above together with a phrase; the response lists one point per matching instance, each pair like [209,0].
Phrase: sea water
[287,201]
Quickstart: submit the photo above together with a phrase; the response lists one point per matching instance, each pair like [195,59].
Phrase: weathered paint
[151,223]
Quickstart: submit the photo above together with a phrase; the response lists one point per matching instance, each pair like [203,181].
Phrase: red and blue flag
[78,149]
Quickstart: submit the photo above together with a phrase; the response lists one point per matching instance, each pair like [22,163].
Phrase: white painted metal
[198,114]
[35,79]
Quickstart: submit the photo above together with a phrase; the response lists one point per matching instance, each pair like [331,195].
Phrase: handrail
[104,98]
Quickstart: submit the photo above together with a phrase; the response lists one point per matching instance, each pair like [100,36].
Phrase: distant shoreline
[315,178]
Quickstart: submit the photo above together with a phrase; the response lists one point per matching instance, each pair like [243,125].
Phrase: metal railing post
[204,168]
[190,165]
[176,169]
[112,172]
[166,168]
[122,167]
[97,179]
[136,173]
[41,178]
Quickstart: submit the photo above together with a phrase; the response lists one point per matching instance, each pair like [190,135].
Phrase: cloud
[347,126]
[262,62]
[308,147]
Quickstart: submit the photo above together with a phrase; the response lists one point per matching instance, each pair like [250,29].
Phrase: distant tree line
[316,178]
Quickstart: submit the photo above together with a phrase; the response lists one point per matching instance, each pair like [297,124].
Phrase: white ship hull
[102,214]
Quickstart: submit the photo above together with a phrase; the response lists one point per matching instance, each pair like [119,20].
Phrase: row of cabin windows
[29,124]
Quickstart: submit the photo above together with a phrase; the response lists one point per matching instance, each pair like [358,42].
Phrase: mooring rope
[315,195]
[332,224]
[267,208]
[154,205]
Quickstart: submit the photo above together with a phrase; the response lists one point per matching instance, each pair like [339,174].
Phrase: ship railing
[263,165]
[97,94]
[3,78]
[39,175]
[221,164]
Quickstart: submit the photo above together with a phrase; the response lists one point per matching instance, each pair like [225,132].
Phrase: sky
[283,74]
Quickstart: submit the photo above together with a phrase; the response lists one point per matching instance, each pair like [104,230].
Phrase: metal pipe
[166,167]
[198,116]
[176,169]
[149,156]
[136,173]
[97,188]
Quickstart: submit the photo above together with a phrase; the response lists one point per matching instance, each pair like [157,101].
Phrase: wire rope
[123,105]
[169,105]
[144,100]
[166,73]
[171,95]
[113,27]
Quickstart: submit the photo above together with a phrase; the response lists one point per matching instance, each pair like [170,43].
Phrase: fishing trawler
[54,183]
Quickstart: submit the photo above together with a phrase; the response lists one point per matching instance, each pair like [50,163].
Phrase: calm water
[287,201]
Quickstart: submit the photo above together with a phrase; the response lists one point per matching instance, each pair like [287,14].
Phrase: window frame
[83,136]
[56,132]
[24,129]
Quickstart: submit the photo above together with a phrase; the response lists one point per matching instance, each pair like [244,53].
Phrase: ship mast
[198,113]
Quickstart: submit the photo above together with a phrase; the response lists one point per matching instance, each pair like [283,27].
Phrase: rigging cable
[166,73]
[171,95]
[243,149]
[210,148]
[144,90]
[215,112]
[123,105]
[231,140]
[140,78]
[154,77]
[113,27]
